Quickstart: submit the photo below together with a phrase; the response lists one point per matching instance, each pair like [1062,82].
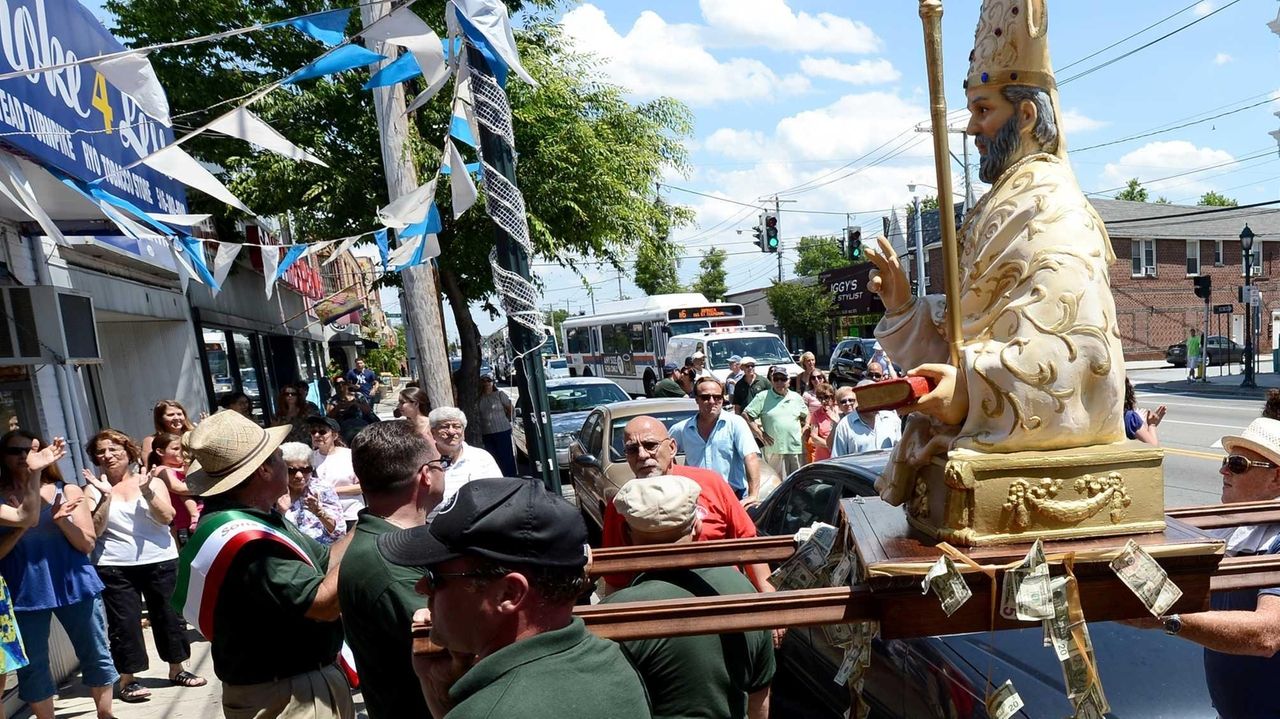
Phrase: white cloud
[1203,8]
[772,23]
[851,126]
[1162,159]
[659,58]
[1222,58]
[1074,121]
[866,72]
[736,144]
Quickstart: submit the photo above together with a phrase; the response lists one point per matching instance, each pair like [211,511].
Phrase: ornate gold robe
[1041,353]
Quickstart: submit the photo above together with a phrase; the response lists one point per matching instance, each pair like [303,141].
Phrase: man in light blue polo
[720,441]
[860,432]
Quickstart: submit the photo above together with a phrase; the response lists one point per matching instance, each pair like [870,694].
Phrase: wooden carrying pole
[931,16]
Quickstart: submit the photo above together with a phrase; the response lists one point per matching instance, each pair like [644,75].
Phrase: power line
[1175,127]
[1140,48]
[1126,38]
[1192,171]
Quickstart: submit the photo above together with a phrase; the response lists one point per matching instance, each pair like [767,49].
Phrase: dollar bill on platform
[840,635]
[840,575]
[1025,594]
[1075,674]
[1144,576]
[854,662]
[1058,627]
[948,583]
[1093,705]
[1004,702]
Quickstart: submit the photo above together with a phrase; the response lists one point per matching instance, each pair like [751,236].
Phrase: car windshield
[576,398]
[558,363]
[765,350]
[666,418]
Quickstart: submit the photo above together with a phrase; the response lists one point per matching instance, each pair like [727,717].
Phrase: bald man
[651,452]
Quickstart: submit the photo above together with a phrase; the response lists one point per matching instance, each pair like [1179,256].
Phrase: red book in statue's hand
[891,393]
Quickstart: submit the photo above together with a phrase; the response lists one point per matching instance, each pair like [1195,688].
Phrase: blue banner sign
[72,118]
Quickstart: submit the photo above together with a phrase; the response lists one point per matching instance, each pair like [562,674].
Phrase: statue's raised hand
[889,279]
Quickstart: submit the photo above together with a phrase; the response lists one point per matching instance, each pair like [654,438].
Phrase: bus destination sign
[704,313]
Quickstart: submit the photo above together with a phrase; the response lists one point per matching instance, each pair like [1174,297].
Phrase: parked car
[597,466]
[557,368]
[1144,673]
[570,400]
[1221,350]
[849,361]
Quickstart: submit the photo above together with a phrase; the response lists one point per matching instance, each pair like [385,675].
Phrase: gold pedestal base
[971,498]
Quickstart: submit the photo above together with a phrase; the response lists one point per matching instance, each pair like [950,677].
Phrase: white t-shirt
[335,468]
[472,463]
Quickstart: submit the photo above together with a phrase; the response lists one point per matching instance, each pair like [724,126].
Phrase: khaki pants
[783,464]
[320,694]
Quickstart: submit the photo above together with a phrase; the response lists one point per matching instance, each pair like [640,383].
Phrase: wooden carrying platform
[892,595]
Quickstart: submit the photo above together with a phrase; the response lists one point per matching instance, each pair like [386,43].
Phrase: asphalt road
[1191,432]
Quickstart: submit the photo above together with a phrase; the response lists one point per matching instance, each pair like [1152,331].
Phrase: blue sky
[788,91]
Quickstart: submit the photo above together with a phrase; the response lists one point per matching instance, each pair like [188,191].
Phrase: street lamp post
[915,204]
[1246,246]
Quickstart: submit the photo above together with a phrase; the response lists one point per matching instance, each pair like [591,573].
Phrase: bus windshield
[687,327]
[764,350]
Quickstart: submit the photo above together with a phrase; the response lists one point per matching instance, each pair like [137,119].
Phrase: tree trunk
[467,381]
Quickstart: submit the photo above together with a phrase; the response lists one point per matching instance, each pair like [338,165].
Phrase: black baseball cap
[504,519]
[329,422]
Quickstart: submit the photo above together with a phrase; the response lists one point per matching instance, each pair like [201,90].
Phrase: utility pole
[777,212]
[968,178]
[420,303]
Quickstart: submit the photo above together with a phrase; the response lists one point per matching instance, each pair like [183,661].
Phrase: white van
[721,344]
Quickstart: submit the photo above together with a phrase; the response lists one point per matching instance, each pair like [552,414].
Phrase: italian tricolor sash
[205,559]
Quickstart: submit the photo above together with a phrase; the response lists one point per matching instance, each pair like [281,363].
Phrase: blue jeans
[86,625]
[499,445]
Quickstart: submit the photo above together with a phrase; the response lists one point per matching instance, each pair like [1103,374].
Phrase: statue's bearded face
[996,131]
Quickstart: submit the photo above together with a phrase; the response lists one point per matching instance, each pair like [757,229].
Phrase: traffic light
[770,232]
[853,243]
[758,232]
[1204,286]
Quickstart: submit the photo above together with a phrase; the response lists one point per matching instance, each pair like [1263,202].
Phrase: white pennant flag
[409,208]
[134,76]
[315,247]
[405,29]
[249,127]
[460,185]
[19,191]
[270,263]
[404,252]
[176,163]
[342,248]
[224,260]
[491,19]
[180,220]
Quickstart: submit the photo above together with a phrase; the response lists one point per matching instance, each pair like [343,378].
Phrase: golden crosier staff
[931,17]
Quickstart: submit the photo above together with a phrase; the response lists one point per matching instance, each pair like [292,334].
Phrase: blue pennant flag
[383,250]
[290,257]
[397,71]
[472,167]
[329,28]
[461,131]
[428,226]
[94,193]
[416,258]
[496,64]
[194,251]
[346,57]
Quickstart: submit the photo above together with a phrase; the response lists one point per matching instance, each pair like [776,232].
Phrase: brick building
[1158,249]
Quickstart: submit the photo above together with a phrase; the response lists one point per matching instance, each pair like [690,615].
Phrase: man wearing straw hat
[263,593]
[1241,633]
[1039,363]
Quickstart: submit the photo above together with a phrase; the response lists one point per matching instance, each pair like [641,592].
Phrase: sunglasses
[650,446]
[779,378]
[709,397]
[1239,464]
[434,580]
[17,451]
[875,375]
[290,394]
[303,470]
[848,401]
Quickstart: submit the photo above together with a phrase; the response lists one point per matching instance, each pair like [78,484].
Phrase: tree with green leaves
[801,309]
[588,158]
[1214,199]
[1133,192]
[555,318]
[816,255]
[657,268]
[1162,200]
[711,275]
[928,202]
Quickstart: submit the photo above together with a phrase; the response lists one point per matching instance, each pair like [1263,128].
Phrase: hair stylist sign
[72,118]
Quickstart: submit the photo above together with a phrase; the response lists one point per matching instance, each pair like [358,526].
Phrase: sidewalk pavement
[1227,385]
[167,701]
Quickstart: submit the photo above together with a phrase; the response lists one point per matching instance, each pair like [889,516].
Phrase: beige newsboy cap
[658,505]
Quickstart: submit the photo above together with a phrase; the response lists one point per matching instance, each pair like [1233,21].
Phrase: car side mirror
[587,461]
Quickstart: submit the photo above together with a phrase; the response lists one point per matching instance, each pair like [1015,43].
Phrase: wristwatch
[1172,624]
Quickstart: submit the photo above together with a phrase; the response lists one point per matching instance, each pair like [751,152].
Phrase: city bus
[624,341]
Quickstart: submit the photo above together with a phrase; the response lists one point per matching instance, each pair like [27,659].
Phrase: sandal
[133,692]
[187,679]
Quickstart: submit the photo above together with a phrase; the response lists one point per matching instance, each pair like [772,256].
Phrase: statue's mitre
[1011,46]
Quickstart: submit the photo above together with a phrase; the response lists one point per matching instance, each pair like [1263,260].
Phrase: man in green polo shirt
[724,676]
[504,563]
[668,386]
[403,479]
[271,611]
[777,419]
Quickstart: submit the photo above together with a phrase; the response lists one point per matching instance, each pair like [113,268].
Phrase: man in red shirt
[651,452]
